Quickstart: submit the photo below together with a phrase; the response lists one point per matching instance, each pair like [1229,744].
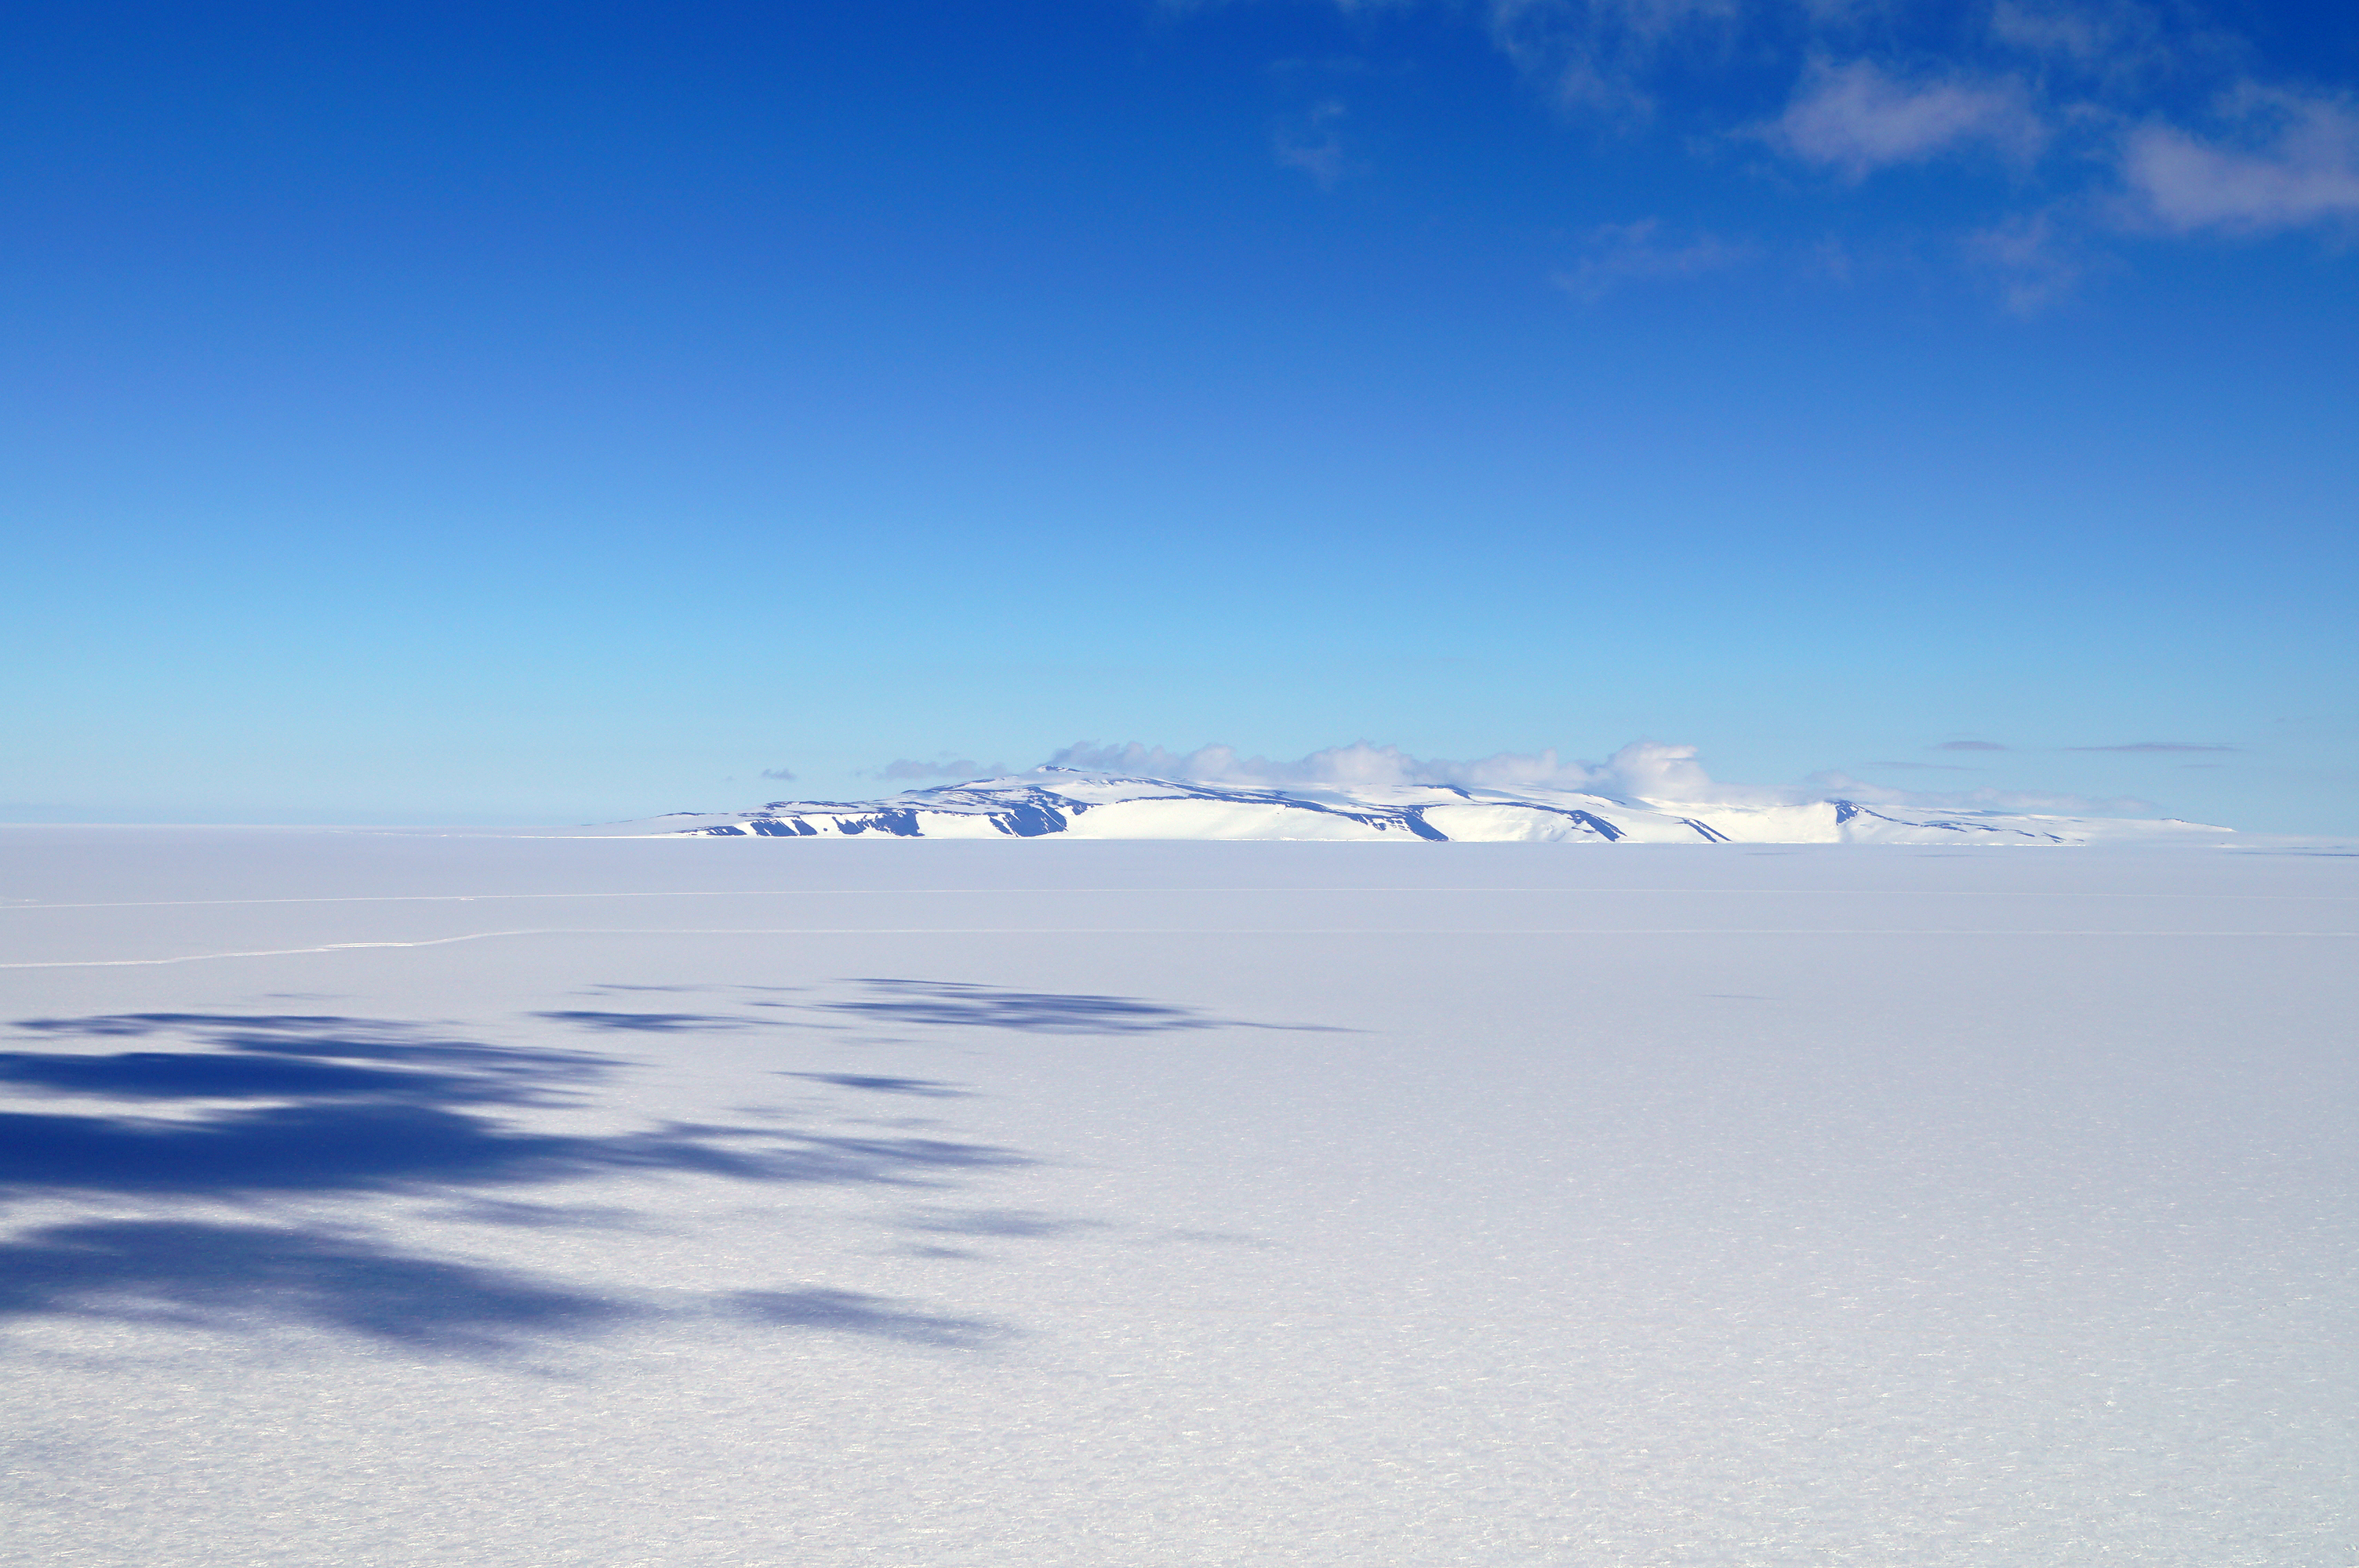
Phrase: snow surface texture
[406,1199]
[1055,800]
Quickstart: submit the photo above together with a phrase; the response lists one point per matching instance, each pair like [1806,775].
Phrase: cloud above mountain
[940,768]
[1837,785]
[1642,771]
[1645,770]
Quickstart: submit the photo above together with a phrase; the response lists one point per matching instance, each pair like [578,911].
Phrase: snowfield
[1055,800]
[406,1198]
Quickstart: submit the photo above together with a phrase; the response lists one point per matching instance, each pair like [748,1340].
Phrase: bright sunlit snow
[410,1199]
[1088,804]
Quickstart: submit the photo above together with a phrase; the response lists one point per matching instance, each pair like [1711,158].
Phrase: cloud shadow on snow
[377,1126]
[359,1106]
[231,1277]
[1001,1222]
[953,1004]
[647,1023]
[346,1148]
[929,1088]
[471,1070]
[852,1311]
[223,1276]
[959,1004]
[187,1075]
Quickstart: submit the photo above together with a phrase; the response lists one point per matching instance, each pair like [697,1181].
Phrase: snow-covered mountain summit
[1087,804]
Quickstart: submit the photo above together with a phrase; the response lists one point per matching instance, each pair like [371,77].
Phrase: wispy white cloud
[2117,49]
[2285,160]
[1642,771]
[781,774]
[1602,54]
[940,768]
[1313,143]
[1360,764]
[2032,258]
[2083,102]
[1857,118]
[2160,746]
[2079,32]
[1649,769]
[1835,784]
[1646,770]
[2119,39]
[1620,253]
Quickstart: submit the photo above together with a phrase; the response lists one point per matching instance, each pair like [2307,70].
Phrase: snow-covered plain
[407,1199]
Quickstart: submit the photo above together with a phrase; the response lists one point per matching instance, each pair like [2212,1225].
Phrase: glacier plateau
[1079,803]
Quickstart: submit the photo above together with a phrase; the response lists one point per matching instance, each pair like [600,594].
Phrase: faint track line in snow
[276,952]
[1125,931]
[1032,892]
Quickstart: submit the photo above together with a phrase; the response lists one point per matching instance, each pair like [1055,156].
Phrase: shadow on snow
[647,1023]
[928,1086]
[372,1105]
[219,1276]
[851,1312]
[241,1277]
[957,1004]
[387,1125]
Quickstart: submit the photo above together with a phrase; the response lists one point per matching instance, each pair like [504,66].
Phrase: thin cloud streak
[1642,770]
[1841,785]
[1630,252]
[2158,746]
[944,768]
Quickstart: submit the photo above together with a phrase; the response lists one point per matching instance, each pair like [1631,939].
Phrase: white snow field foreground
[408,1199]
[1084,805]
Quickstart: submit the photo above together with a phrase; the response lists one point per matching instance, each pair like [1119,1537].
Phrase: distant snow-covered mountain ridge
[1084,805]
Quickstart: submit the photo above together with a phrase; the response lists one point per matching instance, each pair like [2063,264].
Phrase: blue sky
[496,413]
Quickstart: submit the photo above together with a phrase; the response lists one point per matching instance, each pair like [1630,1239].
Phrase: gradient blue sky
[553,413]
